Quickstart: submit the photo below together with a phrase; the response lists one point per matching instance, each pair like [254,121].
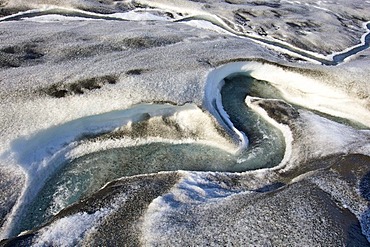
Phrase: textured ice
[81,79]
[54,18]
[69,230]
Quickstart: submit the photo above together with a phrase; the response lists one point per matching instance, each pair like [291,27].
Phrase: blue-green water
[83,176]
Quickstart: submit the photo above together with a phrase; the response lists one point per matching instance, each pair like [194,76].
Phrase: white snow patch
[193,188]
[311,93]
[327,137]
[94,146]
[202,24]
[54,18]
[139,16]
[70,230]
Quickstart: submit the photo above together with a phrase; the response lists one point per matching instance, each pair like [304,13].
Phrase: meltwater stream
[79,178]
[337,58]
[85,175]
[266,143]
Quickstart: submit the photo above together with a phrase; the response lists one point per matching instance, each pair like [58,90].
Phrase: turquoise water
[266,143]
[81,177]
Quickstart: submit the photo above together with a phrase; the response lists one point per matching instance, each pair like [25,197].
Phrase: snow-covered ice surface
[184,123]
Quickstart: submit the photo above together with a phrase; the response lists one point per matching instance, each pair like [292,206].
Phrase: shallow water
[81,177]
[266,143]
[85,175]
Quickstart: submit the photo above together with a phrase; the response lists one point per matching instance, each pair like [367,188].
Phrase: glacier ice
[81,79]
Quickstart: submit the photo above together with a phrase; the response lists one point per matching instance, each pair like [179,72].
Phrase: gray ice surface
[59,70]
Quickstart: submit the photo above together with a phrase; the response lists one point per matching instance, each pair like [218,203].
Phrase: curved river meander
[80,177]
